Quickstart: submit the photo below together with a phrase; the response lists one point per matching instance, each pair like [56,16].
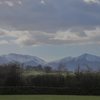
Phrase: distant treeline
[12,81]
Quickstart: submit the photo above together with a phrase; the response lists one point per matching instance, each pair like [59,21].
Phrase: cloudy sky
[50,29]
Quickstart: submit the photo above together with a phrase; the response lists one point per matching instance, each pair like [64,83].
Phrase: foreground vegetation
[15,80]
[47,97]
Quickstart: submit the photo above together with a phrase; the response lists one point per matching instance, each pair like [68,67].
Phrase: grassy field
[47,97]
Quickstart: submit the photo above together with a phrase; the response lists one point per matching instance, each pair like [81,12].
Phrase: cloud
[92,1]
[43,2]
[25,40]
[25,37]
[11,3]
[70,37]
[58,22]
[32,38]
[54,16]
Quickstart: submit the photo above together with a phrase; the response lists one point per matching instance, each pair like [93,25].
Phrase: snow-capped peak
[23,59]
[89,57]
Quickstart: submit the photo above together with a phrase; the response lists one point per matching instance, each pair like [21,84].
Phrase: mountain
[84,62]
[26,60]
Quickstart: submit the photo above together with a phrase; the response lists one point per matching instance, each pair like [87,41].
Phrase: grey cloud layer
[39,38]
[49,21]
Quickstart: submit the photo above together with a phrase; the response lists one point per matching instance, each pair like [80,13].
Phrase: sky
[50,29]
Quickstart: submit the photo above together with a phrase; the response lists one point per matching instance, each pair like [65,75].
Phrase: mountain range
[85,61]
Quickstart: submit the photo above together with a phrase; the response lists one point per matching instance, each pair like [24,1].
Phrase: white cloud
[67,35]
[91,36]
[25,37]
[10,3]
[25,40]
[43,2]
[92,1]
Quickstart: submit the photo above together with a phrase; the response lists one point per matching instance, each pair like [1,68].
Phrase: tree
[47,69]
[14,77]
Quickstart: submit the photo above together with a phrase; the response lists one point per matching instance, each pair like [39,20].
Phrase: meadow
[47,97]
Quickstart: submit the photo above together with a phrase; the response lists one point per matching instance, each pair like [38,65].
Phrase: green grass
[47,97]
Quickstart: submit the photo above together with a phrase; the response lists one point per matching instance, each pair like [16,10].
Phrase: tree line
[12,81]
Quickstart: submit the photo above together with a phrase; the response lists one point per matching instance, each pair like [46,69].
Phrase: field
[47,97]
